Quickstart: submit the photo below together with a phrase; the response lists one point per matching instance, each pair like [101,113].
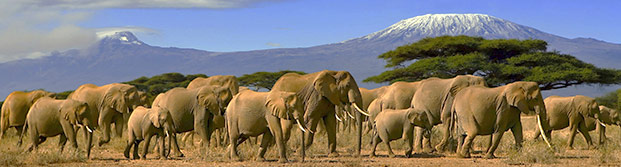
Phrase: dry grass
[533,152]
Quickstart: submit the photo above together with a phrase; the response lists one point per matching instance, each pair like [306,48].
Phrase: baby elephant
[49,117]
[394,124]
[143,124]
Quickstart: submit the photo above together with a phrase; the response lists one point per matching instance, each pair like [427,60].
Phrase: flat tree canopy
[499,61]
[265,80]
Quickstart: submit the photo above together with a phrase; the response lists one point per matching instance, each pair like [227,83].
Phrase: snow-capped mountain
[120,56]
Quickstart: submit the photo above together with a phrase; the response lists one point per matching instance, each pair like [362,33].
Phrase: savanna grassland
[533,153]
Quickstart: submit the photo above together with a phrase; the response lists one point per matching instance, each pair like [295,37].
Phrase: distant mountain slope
[123,57]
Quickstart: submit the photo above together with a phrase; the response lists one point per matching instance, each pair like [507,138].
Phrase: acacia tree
[499,61]
[263,79]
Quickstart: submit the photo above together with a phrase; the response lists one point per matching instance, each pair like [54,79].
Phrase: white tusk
[300,126]
[350,116]
[542,133]
[337,118]
[89,129]
[166,133]
[602,124]
[360,110]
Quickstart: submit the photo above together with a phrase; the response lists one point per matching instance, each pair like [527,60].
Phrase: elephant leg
[69,134]
[177,151]
[136,143]
[330,122]
[585,133]
[441,147]
[376,140]
[601,131]
[572,134]
[496,141]
[286,126]
[62,141]
[427,142]
[418,142]
[410,141]
[309,136]
[274,125]
[130,141]
[517,134]
[390,153]
[118,126]
[464,152]
[537,134]
[265,143]
[19,129]
[201,126]
[460,143]
[233,137]
[147,141]
[105,128]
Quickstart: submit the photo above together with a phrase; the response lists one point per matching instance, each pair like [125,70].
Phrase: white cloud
[33,28]
[273,44]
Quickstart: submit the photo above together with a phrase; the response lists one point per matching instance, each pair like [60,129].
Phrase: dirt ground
[534,153]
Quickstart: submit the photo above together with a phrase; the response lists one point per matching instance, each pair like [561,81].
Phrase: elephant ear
[326,85]
[154,117]
[107,101]
[277,106]
[516,97]
[417,117]
[69,115]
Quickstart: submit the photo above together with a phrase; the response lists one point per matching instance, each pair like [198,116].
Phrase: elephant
[143,124]
[395,124]
[109,103]
[479,110]
[199,109]
[572,112]
[321,92]
[251,114]
[49,117]
[435,96]
[368,95]
[15,108]
[607,116]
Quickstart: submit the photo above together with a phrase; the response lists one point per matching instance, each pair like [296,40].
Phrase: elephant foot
[235,158]
[429,150]
[440,148]
[372,155]
[391,155]
[569,148]
[283,160]
[333,154]
[260,159]
[489,156]
[408,154]
[180,155]
[143,157]
[463,155]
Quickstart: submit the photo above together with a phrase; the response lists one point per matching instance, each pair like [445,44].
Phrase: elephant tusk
[360,110]
[542,133]
[350,116]
[337,117]
[300,126]
[89,129]
[602,124]
[166,133]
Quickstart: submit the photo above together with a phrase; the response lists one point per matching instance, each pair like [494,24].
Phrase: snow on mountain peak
[431,25]
[124,37]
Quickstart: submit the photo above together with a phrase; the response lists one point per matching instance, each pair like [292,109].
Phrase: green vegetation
[610,100]
[499,61]
[263,80]
[162,83]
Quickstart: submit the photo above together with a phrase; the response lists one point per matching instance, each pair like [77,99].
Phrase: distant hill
[123,57]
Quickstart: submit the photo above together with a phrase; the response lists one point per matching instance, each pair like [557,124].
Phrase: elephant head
[350,92]
[609,116]
[286,105]
[161,118]
[77,113]
[526,97]
[115,99]
[419,118]
[459,82]
[586,106]
[214,100]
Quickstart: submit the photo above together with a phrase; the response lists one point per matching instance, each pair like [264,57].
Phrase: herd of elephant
[464,105]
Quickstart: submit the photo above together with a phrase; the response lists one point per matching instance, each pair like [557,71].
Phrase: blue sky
[217,25]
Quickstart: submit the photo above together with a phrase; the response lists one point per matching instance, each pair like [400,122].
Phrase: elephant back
[228,81]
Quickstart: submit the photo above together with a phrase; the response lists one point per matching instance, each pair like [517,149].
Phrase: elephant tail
[4,117]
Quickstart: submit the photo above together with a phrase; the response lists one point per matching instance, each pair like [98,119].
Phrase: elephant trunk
[89,143]
[304,129]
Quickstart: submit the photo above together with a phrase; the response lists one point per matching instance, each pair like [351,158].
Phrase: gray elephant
[251,114]
[396,96]
[15,108]
[108,103]
[395,124]
[479,110]
[572,112]
[321,92]
[144,123]
[435,97]
[198,109]
[50,117]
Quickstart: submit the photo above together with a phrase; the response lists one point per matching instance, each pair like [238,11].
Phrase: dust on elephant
[492,111]
[571,112]
[199,109]
[321,92]
[50,117]
[435,97]
[109,103]
[15,108]
[251,114]
[395,124]
[143,124]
